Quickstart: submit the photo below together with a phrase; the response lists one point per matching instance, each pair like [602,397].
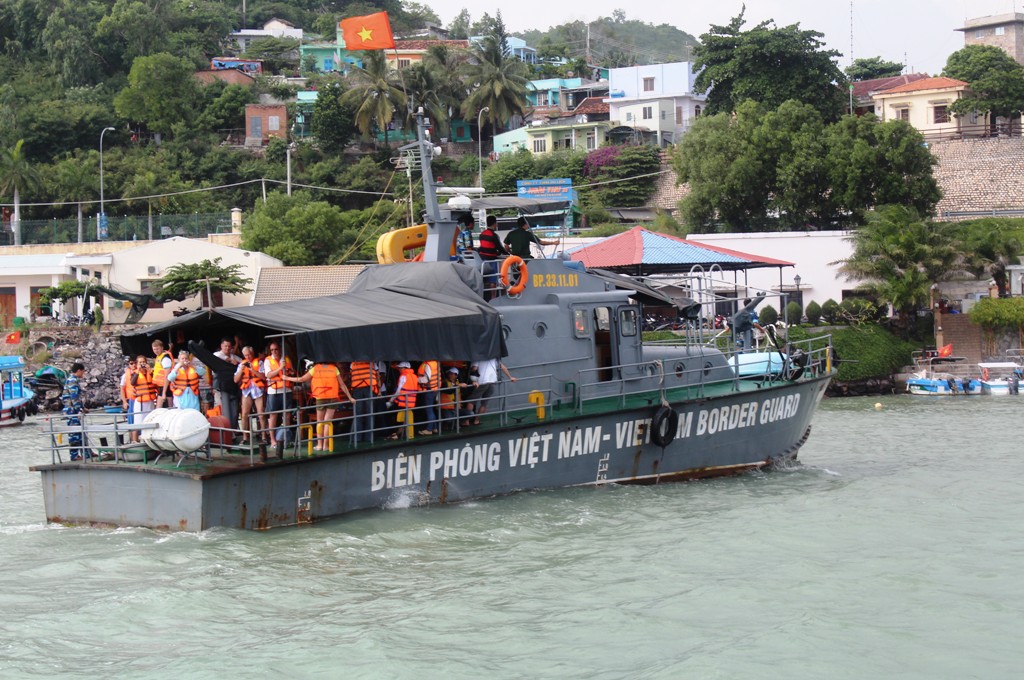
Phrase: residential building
[129,266]
[925,104]
[263,121]
[654,104]
[230,76]
[1005,31]
[409,52]
[275,28]
[865,90]
[546,94]
[517,48]
[585,127]
[328,56]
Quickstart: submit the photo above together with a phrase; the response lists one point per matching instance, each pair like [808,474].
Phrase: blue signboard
[559,189]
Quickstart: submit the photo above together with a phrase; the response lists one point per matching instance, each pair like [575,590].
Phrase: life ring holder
[664,425]
[984,373]
[506,267]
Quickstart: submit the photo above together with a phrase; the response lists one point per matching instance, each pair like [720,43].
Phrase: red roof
[926,84]
[592,105]
[865,88]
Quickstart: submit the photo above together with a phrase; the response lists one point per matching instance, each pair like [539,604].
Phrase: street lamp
[101,223]
[797,280]
[480,145]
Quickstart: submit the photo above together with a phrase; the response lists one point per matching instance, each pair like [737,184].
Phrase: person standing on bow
[253,383]
[276,367]
[326,387]
[74,404]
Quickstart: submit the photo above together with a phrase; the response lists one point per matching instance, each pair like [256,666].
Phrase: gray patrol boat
[592,404]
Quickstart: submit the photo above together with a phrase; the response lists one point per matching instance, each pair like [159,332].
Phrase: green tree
[76,178]
[996,80]
[16,175]
[161,92]
[769,65]
[446,65]
[295,229]
[70,42]
[134,29]
[184,280]
[375,94]
[988,245]
[277,54]
[424,90]
[458,29]
[898,256]
[333,122]
[869,68]
[496,79]
[225,108]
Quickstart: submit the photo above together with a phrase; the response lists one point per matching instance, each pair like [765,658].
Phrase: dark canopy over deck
[415,312]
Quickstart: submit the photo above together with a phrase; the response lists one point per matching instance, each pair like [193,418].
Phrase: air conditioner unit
[153,271]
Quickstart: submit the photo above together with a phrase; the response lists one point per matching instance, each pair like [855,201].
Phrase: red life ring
[506,266]
[984,374]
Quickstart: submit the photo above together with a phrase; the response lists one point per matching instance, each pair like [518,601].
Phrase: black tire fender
[663,426]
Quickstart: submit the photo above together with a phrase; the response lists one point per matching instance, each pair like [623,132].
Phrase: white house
[655,103]
[128,266]
[275,28]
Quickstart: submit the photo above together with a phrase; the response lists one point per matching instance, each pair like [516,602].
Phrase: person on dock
[327,387]
[184,380]
[74,404]
[519,239]
[278,393]
[253,384]
[162,364]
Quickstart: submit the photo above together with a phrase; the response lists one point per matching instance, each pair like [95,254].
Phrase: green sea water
[892,550]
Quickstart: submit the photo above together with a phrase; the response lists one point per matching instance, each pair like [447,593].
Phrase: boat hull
[721,435]
[935,387]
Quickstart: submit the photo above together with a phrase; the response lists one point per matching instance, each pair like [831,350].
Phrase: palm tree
[16,175]
[899,256]
[424,91]
[376,92]
[446,65]
[76,180]
[988,246]
[498,82]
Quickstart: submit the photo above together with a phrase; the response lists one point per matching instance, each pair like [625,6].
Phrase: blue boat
[17,400]
[934,377]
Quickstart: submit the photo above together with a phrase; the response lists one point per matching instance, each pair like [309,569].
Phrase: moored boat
[936,376]
[17,400]
[1000,378]
[591,403]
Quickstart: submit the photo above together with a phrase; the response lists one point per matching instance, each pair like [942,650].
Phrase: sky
[918,33]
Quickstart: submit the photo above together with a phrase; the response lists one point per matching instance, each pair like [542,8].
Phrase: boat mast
[441,227]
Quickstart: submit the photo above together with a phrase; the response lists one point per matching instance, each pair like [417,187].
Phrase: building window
[648,84]
[629,116]
[591,141]
[274,123]
[679,115]
[696,111]
[404,63]
[542,99]
[903,114]
[663,114]
[941,114]
[146,287]
[1000,30]
[568,142]
[648,112]
[980,33]
[540,145]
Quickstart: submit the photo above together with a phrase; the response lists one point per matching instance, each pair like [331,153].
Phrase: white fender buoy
[182,430]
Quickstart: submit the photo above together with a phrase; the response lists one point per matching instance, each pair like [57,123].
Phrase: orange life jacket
[407,397]
[186,379]
[159,372]
[145,388]
[277,382]
[435,375]
[324,384]
[128,391]
[449,396]
[364,374]
[251,375]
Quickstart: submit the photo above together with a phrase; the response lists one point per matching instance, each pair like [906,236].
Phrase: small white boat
[933,379]
[1000,378]
[16,399]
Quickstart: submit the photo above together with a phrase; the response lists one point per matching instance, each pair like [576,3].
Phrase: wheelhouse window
[627,322]
[580,323]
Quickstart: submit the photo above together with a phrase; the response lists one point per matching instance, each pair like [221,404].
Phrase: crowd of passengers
[259,393]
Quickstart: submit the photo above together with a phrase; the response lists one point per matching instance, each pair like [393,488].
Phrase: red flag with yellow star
[370,32]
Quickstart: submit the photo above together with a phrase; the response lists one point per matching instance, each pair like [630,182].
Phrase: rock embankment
[100,352]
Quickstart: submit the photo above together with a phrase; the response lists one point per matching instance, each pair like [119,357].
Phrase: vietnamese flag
[370,32]
[13,338]
[946,350]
